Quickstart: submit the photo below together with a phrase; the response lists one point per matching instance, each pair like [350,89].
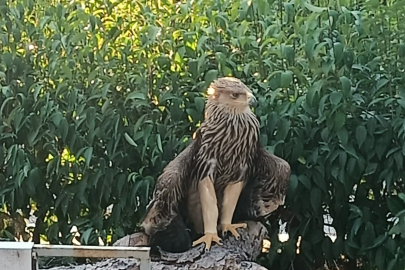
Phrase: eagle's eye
[234,95]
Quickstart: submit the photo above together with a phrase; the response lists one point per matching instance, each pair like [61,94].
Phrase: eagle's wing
[272,175]
[170,190]
[266,188]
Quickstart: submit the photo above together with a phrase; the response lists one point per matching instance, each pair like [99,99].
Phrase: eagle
[222,178]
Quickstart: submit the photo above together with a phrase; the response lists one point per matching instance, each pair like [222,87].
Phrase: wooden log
[232,255]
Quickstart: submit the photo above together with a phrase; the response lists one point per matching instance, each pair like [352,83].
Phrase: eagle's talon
[208,238]
[232,229]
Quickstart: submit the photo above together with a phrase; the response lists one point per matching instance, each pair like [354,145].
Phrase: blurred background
[97,96]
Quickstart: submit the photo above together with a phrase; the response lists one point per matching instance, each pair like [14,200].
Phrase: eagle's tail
[174,238]
[166,228]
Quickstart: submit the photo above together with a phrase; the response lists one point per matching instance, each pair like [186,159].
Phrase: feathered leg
[230,199]
[209,212]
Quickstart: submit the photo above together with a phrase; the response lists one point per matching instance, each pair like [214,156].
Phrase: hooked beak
[252,100]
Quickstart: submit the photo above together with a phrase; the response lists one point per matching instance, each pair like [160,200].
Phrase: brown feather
[227,149]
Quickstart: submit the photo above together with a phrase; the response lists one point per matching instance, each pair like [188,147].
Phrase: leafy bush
[98,96]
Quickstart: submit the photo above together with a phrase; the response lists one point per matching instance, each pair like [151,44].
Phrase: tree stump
[232,255]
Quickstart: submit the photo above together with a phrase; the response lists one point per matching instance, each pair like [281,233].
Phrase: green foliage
[98,96]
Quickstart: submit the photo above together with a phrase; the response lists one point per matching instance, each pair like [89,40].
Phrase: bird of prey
[223,177]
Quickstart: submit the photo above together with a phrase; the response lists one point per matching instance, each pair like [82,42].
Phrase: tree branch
[232,255]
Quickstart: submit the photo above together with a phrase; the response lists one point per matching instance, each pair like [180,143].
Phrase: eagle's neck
[237,120]
[214,112]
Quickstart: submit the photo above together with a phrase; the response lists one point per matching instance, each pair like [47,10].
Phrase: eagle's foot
[208,238]
[232,229]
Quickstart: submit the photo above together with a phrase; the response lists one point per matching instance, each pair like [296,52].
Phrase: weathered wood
[232,255]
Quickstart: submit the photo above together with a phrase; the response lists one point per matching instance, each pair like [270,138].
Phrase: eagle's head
[230,93]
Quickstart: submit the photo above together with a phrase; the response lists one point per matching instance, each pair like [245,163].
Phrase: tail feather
[174,238]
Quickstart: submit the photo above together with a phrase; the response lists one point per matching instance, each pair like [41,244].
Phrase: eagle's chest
[226,150]
[231,156]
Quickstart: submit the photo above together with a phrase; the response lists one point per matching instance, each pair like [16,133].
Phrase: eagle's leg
[230,199]
[209,212]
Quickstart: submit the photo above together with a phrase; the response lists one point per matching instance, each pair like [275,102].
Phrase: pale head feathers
[230,93]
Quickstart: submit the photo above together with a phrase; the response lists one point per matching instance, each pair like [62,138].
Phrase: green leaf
[393,262]
[88,155]
[343,135]
[91,117]
[193,67]
[63,128]
[78,37]
[293,185]
[371,168]
[138,123]
[286,79]
[16,35]
[19,179]
[348,58]
[340,119]
[351,164]
[315,88]
[290,12]
[210,76]
[338,52]
[380,258]
[7,59]
[33,180]
[199,104]
[350,150]
[401,196]
[309,48]
[346,85]
[378,241]
[316,199]
[401,50]
[53,232]
[314,8]
[159,143]
[357,224]
[298,149]
[305,181]
[92,75]
[283,129]
[201,42]
[2,154]
[289,54]
[263,139]
[393,150]
[152,32]
[135,96]
[381,83]
[361,135]
[319,179]
[85,237]
[67,71]
[9,235]
[130,140]
[399,160]
[335,98]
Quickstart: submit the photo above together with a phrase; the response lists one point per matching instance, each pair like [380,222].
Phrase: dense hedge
[98,96]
